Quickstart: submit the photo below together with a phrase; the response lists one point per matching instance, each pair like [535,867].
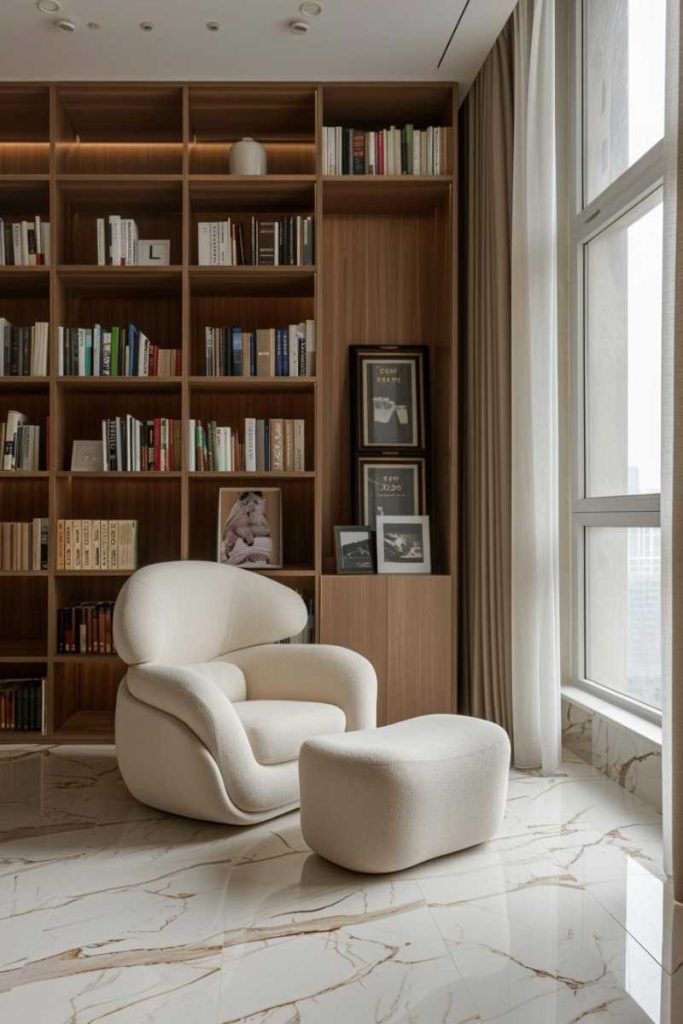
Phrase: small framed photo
[389,487]
[86,457]
[403,544]
[154,252]
[389,396]
[355,546]
[250,527]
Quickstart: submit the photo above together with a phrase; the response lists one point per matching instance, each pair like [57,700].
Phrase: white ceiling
[351,40]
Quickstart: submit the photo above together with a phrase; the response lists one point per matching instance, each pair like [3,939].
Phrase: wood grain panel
[353,611]
[420,631]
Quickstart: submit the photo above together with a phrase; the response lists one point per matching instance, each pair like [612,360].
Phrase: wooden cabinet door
[420,638]
[353,613]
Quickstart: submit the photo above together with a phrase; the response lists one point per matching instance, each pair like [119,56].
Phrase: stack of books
[21,704]
[23,350]
[20,442]
[117,241]
[271,242]
[24,243]
[86,545]
[100,351]
[393,150]
[131,445]
[23,546]
[266,352]
[275,445]
[85,628]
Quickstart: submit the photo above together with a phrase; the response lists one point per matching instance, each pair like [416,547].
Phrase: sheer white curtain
[535,429]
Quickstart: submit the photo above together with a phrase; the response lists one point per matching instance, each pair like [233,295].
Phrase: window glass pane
[624,44]
[623,354]
[623,616]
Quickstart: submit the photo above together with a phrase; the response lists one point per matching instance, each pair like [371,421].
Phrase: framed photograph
[86,457]
[389,396]
[154,252]
[355,547]
[403,544]
[250,527]
[389,487]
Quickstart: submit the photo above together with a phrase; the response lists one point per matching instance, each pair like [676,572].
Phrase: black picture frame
[389,486]
[389,397]
[352,562]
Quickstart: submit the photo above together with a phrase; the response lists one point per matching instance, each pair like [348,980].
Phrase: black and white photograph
[355,547]
[389,487]
[403,544]
[389,398]
[250,527]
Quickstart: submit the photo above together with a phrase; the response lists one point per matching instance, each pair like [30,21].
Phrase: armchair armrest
[198,702]
[312,672]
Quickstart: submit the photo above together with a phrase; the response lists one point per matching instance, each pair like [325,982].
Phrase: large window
[618,305]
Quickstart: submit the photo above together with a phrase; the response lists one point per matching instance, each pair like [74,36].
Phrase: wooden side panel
[420,633]
[353,613]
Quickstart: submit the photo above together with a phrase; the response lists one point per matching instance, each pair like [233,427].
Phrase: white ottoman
[384,799]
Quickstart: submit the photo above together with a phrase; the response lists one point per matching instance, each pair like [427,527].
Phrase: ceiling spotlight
[146,26]
[310,8]
[213,26]
[93,25]
[298,28]
[66,25]
[49,6]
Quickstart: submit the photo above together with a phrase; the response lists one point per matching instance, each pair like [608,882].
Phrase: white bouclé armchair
[212,710]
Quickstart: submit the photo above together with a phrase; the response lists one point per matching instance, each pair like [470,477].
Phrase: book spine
[250,445]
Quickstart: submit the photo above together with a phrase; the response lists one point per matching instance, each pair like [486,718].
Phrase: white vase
[247,157]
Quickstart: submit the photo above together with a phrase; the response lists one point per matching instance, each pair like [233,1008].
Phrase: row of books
[20,443]
[85,628]
[23,545]
[24,243]
[117,241]
[21,704]
[91,544]
[265,352]
[406,150]
[272,242]
[274,445]
[100,351]
[132,445]
[23,350]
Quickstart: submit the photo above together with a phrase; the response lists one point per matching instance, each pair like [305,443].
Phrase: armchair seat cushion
[277,728]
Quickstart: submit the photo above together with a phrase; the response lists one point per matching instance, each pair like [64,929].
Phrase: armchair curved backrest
[178,613]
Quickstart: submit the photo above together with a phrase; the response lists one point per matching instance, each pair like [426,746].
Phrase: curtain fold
[486,212]
[534,389]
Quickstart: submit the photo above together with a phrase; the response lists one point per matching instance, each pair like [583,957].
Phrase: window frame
[633,186]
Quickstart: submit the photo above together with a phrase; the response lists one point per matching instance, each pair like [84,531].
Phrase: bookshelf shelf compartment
[23,624]
[24,128]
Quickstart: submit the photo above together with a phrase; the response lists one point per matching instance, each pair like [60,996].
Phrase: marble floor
[111,912]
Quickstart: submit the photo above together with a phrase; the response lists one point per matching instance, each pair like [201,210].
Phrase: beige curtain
[486,164]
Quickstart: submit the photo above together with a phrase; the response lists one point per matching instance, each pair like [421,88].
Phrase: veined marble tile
[634,763]
[575,799]
[602,855]
[544,954]
[391,968]
[577,731]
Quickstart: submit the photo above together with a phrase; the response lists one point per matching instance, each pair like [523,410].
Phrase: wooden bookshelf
[384,273]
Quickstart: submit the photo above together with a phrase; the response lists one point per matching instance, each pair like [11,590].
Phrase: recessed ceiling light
[66,25]
[49,6]
[146,26]
[310,8]
[213,26]
[298,28]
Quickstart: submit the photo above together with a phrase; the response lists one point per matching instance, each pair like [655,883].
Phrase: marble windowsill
[620,716]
